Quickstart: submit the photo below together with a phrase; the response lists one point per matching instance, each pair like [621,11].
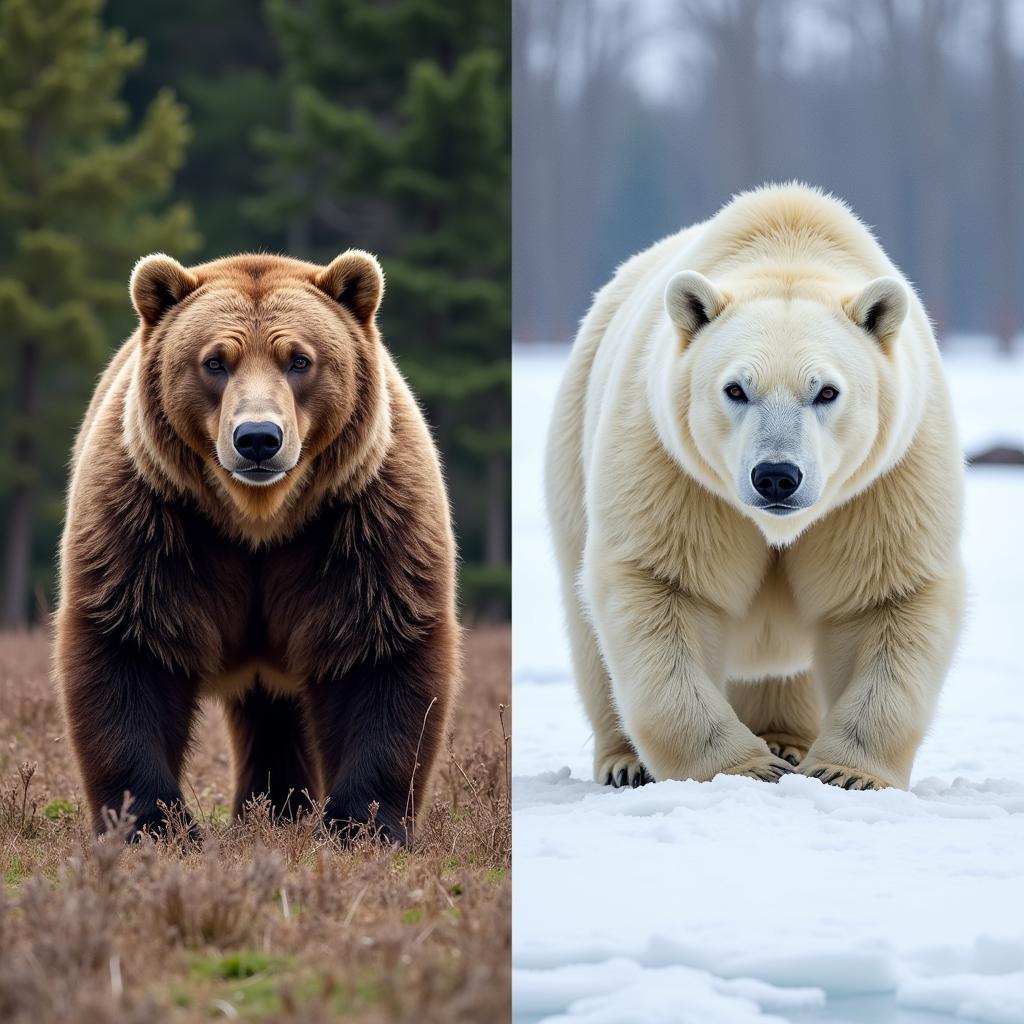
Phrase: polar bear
[755,488]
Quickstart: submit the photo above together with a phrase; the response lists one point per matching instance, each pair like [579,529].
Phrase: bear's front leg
[663,649]
[882,671]
[130,718]
[379,727]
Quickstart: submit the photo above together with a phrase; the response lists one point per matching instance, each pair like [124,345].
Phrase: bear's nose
[258,441]
[776,481]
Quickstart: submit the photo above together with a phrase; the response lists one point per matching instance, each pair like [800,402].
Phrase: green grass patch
[253,983]
[220,815]
[249,981]
[57,809]
[495,875]
[259,997]
[182,998]
[15,873]
[412,916]
[242,964]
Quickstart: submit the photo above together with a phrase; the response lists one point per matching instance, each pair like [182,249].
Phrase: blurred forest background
[206,127]
[632,120]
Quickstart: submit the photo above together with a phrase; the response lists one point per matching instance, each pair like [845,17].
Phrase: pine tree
[227,75]
[399,143]
[80,194]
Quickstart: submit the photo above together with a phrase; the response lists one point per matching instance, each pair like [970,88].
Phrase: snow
[620,990]
[735,901]
[979,379]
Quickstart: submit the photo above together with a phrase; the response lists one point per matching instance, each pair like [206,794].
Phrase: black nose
[776,481]
[258,441]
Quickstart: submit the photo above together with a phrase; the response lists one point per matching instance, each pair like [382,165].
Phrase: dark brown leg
[379,729]
[273,755]
[130,719]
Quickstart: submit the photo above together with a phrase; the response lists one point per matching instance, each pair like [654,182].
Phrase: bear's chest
[258,617]
[770,637]
[256,620]
[296,597]
[321,597]
[251,647]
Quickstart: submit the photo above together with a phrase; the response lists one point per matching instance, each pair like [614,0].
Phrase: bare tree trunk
[532,140]
[900,75]
[744,81]
[1004,180]
[14,614]
[732,31]
[933,195]
[297,231]
[298,236]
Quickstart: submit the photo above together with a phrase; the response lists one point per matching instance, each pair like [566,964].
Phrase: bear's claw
[623,771]
[768,768]
[789,748]
[843,778]
[791,754]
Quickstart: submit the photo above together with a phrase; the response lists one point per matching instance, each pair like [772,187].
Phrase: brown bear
[256,513]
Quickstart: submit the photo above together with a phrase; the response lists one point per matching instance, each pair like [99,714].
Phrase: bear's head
[774,397]
[251,368]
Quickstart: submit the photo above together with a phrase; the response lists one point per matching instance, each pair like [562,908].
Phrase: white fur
[704,628]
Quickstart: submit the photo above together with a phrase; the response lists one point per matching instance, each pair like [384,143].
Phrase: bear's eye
[826,394]
[735,392]
[300,363]
[214,365]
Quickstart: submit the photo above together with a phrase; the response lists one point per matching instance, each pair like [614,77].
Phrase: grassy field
[263,921]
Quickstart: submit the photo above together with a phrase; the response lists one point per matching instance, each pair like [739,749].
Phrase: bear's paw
[766,768]
[842,776]
[789,748]
[622,771]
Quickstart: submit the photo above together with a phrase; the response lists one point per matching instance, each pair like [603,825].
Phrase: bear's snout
[776,482]
[258,441]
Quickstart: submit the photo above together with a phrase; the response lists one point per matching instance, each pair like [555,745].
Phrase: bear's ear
[356,281]
[159,282]
[692,301]
[879,308]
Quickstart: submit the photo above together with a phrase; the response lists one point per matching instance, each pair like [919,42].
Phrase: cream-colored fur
[709,634]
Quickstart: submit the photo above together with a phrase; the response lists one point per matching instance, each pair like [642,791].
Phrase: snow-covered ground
[736,901]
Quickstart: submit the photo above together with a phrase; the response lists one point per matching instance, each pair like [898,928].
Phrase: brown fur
[320,607]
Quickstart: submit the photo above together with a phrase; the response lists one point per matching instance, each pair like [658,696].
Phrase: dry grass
[277,923]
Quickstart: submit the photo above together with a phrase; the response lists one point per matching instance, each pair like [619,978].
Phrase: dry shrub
[19,811]
[59,937]
[216,902]
[269,920]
